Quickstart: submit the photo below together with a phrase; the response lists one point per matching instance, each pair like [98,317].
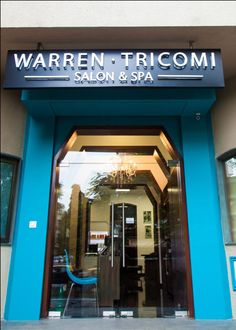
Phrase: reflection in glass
[119,216]
[7,184]
[230,180]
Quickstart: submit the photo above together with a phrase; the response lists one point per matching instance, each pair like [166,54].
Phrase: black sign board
[114,68]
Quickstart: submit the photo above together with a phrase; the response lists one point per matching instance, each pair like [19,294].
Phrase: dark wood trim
[145,150]
[66,146]
[161,162]
[187,245]
[227,155]
[112,130]
[49,242]
[165,139]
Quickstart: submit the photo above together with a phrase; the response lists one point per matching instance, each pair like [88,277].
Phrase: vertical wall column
[209,273]
[27,262]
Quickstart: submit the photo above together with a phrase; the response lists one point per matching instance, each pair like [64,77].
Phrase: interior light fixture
[64,164]
[124,172]
[121,189]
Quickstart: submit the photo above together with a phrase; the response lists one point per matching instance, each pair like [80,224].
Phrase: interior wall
[100,215]
[100,218]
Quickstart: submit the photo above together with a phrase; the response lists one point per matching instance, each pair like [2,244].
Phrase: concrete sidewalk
[120,324]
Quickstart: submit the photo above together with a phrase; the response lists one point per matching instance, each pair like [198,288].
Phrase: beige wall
[12,135]
[5,263]
[100,212]
[13,114]
[13,118]
[117,13]
[224,118]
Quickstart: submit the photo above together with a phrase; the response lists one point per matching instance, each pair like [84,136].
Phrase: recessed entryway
[119,241]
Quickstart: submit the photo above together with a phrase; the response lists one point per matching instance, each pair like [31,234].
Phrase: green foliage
[94,192]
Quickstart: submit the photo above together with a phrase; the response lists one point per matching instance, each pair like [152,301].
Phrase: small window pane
[230,174]
[7,182]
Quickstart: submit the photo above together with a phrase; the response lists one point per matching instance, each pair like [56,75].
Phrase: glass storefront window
[230,184]
[8,181]
[119,247]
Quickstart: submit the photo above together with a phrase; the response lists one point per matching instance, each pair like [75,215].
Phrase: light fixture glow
[124,172]
[120,189]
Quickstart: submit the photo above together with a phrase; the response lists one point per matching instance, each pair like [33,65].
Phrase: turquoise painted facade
[52,115]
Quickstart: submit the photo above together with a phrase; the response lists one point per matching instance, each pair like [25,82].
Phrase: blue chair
[79,281]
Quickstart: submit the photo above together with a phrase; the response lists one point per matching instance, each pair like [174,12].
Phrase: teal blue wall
[27,261]
[208,261]
[193,139]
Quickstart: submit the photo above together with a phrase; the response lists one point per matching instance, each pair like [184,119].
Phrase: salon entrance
[120,235]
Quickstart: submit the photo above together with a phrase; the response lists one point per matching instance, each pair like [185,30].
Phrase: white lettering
[196,62]
[126,56]
[77,77]
[83,60]
[101,76]
[39,61]
[141,59]
[160,60]
[213,61]
[85,77]
[139,76]
[148,77]
[134,76]
[91,77]
[184,60]
[23,61]
[110,75]
[68,59]
[54,59]
[96,59]
[152,60]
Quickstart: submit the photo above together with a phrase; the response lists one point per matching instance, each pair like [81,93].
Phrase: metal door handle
[123,233]
[166,264]
[112,235]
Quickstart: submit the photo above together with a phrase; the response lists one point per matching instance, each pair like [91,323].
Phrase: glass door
[118,248]
[128,248]
[130,270]
[122,260]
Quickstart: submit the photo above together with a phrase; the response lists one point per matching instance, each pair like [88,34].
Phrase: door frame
[112,130]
